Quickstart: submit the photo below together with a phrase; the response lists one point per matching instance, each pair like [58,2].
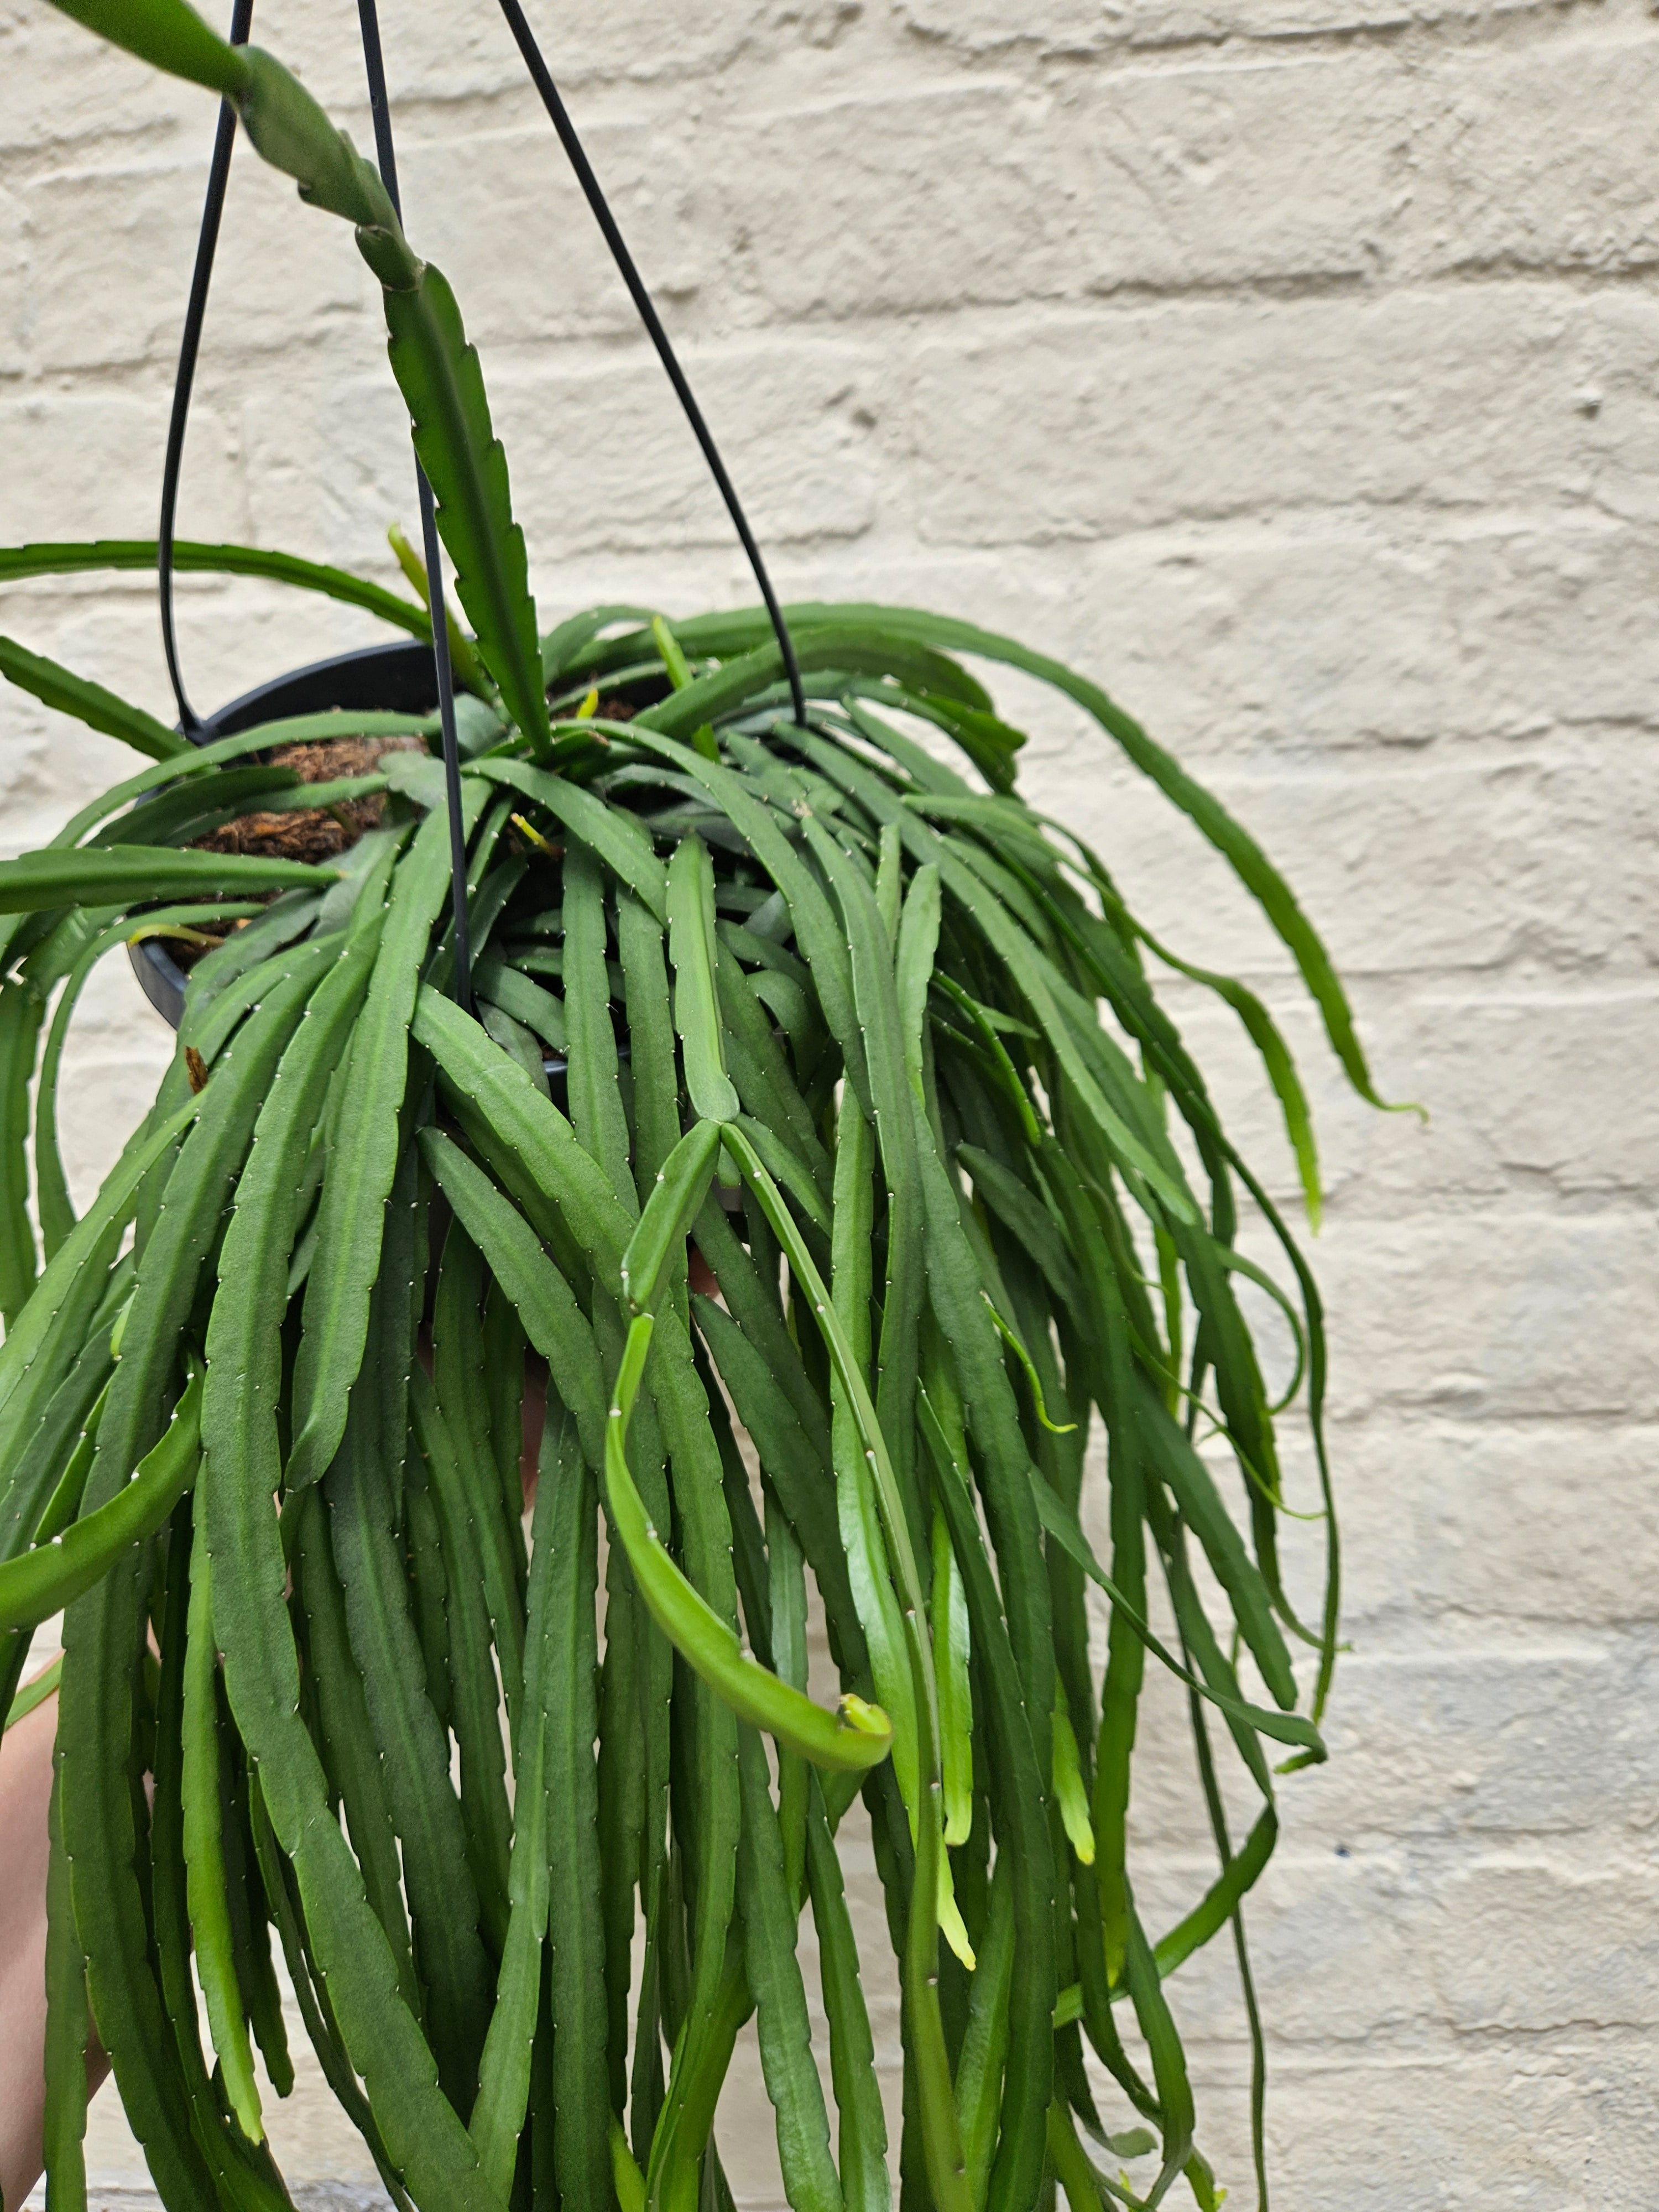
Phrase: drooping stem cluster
[823,1015]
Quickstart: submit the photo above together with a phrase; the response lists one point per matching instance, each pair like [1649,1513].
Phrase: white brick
[907,202]
[1556,1523]
[500,214]
[1341,1948]
[90,464]
[14,284]
[1071,26]
[1356,629]
[1534,160]
[108,222]
[113,216]
[1530,1737]
[1299,635]
[1327,168]
[1598,1968]
[468,52]
[1514,868]
[1553,1314]
[57,84]
[1512,852]
[1127,418]
[1495,1065]
[600,454]
[1562,2125]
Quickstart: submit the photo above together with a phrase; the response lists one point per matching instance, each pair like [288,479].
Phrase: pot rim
[398,675]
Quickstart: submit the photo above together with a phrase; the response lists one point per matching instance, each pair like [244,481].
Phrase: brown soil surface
[313,833]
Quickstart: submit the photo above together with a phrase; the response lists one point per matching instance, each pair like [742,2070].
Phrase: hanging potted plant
[687,1030]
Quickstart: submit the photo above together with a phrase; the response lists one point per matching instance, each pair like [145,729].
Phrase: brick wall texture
[1292,366]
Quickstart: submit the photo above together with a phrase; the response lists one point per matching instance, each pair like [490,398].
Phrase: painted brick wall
[1293,365]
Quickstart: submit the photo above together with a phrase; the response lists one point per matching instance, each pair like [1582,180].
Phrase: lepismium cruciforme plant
[872,1179]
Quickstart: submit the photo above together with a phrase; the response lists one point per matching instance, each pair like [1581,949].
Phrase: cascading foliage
[785,1108]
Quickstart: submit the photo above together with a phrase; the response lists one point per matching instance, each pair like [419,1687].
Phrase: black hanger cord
[189,346]
[190,343]
[559,116]
[374,67]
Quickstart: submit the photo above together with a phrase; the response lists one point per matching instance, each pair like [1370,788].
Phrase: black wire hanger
[189,348]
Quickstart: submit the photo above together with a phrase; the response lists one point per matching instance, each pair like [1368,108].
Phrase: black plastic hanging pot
[397,680]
